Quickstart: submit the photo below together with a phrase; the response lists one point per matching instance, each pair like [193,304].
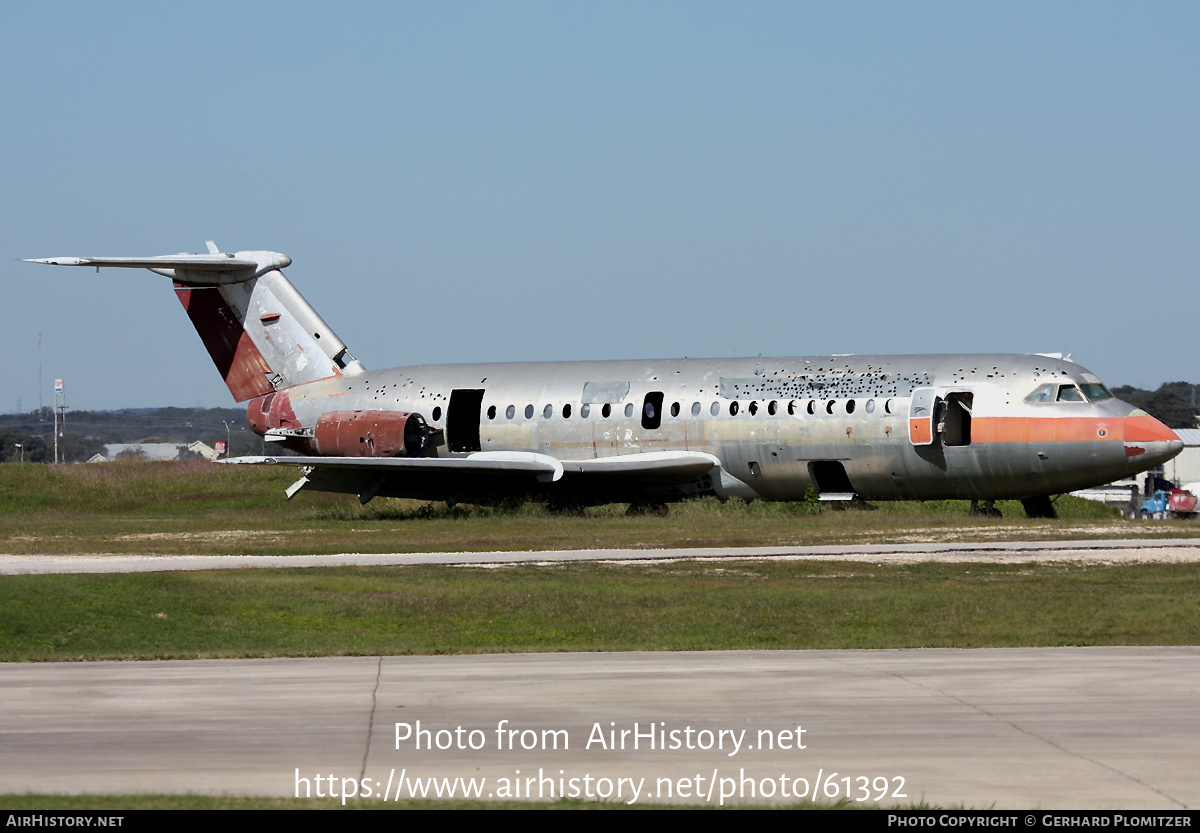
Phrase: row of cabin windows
[793,407]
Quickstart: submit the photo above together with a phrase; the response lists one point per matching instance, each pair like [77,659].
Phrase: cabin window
[584,410]
[753,409]
[510,411]
[606,411]
[528,412]
[812,407]
[628,410]
[715,408]
[773,407]
[850,406]
[1070,393]
[491,411]
[792,407]
[733,408]
[437,413]
[870,406]
[547,412]
[566,411]
[695,409]
[1043,393]
[829,406]
[674,409]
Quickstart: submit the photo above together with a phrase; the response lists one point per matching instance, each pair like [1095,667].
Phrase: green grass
[201,508]
[674,606]
[117,803]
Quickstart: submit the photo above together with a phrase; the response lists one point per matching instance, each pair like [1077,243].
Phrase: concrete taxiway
[1093,550]
[1005,728]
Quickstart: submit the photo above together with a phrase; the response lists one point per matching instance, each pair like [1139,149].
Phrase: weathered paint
[368,434]
[239,361]
[896,426]
[1015,450]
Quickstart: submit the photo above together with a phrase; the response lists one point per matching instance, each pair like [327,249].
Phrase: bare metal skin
[979,427]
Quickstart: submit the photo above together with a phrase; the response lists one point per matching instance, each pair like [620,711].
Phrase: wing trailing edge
[478,476]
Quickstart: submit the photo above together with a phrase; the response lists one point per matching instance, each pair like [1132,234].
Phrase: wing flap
[650,466]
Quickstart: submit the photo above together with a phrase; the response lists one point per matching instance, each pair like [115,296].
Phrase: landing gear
[988,510]
[1039,507]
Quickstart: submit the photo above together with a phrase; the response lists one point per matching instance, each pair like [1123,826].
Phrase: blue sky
[537,181]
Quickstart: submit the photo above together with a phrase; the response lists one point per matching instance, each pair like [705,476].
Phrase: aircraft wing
[488,474]
[650,466]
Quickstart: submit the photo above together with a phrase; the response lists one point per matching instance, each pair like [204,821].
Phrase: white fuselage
[780,426]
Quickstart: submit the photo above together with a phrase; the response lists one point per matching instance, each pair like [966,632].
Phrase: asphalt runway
[1046,728]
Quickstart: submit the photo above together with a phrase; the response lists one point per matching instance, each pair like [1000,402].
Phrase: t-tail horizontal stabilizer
[210,269]
[260,332]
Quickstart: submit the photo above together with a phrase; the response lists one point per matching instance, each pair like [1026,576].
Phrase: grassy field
[677,606]
[191,508]
[202,508]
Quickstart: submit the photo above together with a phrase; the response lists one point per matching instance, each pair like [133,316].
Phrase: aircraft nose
[1148,442]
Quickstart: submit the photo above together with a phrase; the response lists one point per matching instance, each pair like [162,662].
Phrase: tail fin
[260,332]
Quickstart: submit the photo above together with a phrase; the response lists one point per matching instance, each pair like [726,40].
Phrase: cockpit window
[1044,393]
[1096,393]
[1085,392]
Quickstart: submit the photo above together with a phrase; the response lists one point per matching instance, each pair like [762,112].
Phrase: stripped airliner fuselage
[981,427]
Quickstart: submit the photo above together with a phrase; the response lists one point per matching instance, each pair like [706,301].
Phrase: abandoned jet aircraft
[979,427]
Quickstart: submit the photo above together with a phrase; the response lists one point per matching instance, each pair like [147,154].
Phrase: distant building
[1186,467]
[153,451]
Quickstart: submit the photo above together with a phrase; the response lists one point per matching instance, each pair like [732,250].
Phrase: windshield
[1044,393]
[1093,391]
[1096,393]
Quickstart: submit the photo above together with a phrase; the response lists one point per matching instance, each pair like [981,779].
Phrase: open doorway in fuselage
[462,420]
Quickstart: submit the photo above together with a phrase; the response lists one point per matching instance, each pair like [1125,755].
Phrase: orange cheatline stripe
[1147,429]
[1069,429]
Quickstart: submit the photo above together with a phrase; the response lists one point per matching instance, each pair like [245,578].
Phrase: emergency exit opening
[652,410]
[462,420]
[956,421]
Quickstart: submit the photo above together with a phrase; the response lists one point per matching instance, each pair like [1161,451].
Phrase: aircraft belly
[986,471]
